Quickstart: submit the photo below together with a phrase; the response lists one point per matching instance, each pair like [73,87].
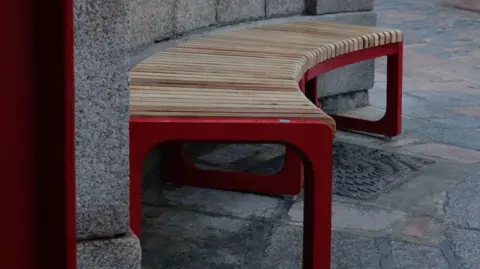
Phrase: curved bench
[257,85]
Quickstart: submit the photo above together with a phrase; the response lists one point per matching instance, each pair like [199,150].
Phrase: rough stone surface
[351,78]
[463,207]
[117,253]
[223,202]
[465,245]
[150,20]
[344,102]
[229,11]
[193,14]
[101,83]
[354,217]
[353,251]
[182,239]
[328,6]
[448,152]
[284,7]
[407,256]
[284,250]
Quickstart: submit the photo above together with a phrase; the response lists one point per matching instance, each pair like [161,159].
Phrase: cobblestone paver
[432,221]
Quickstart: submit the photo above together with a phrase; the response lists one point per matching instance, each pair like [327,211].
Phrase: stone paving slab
[408,256]
[348,250]
[463,206]
[228,203]
[465,245]
[190,240]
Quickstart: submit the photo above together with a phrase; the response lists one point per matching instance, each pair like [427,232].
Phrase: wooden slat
[251,72]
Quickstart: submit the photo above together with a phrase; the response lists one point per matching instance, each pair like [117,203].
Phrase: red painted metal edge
[55,124]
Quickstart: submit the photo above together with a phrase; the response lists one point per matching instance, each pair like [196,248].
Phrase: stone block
[408,256]
[230,11]
[150,20]
[193,14]
[101,32]
[344,101]
[117,253]
[102,154]
[284,7]
[101,109]
[319,7]
[351,78]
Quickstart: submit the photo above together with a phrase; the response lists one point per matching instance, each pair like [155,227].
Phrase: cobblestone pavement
[430,221]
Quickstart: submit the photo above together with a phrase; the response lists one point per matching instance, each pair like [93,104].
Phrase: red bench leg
[391,123]
[181,171]
[311,140]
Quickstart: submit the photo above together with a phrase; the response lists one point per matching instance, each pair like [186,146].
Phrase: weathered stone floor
[430,221]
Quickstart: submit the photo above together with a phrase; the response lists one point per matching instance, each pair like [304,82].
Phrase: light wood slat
[251,72]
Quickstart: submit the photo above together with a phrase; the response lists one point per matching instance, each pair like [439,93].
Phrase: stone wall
[102,45]
[106,34]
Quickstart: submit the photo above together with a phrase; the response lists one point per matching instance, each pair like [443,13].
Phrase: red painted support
[37,117]
[288,181]
[310,140]
[181,171]
[391,123]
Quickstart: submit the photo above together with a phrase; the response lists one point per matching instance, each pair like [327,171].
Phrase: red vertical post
[17,137]
[55,139]
[393,113]
[37,138]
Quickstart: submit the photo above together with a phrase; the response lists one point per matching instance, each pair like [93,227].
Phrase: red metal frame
[391,123]
[313,147]
[308,143]
[37,156]
[181,171]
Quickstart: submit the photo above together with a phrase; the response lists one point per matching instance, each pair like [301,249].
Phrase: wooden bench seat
[247,73]
[258,85]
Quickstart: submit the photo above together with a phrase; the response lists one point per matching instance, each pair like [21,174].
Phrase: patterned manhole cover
[360,172]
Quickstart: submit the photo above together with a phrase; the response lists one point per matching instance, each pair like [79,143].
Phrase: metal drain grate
[361,172]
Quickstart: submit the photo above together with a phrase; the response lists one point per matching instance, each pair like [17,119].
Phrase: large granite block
[319,7]
[284,7]
[344,102]
[193,14]
[355,77]
[116,253]
[101,108]
[101,35]
[229,11]
[150,20]
[102,154]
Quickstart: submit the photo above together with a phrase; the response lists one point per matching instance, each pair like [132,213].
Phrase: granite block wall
[102,46]
[319,7]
